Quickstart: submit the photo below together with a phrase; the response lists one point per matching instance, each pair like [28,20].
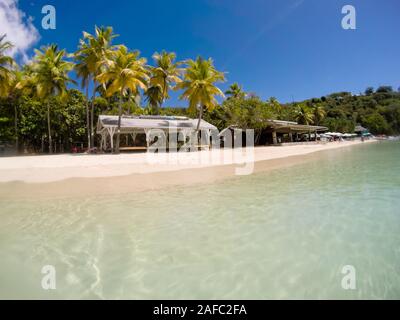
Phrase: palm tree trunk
[88,115]
[92,115]
[198,125]
[164,94]
[119,124]
[49,128]
[16,128]
[200,117]
[258,137]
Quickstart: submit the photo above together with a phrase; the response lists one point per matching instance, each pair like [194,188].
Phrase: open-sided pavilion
[107,127]
[288,131]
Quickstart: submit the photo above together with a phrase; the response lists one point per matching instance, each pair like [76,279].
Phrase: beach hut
[132,126]
[361,131]
[279,131]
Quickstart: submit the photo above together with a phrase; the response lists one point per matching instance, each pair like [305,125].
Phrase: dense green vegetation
[379,111]
[39,112]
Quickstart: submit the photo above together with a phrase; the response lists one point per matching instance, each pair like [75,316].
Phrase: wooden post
[274,138]
[147,132]
[111,132]
[134,139]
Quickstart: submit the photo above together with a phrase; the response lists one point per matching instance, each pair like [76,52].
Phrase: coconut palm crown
[166,72]
[6,65]
[235,91]
[199,87]
[303,114]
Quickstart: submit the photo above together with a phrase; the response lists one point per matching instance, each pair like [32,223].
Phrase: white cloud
[18,27]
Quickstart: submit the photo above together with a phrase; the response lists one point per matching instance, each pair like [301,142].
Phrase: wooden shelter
[288,131]
[107,127]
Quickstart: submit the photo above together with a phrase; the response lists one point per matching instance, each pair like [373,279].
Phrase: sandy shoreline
[42,169]
[70,175]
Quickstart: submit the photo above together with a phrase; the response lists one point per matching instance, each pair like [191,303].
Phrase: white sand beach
[46,169]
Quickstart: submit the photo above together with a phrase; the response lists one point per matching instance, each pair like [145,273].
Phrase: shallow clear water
[284,234]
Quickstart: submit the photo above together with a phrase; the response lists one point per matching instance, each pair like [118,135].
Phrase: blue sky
[290,49]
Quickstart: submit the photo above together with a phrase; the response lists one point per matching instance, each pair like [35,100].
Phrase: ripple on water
[277,235]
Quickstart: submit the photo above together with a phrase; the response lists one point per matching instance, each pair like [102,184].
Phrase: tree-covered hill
[379,110]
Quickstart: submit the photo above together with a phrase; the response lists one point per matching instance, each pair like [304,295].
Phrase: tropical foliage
[90,58]
[6,64]
[124,74]
[303,114]
[199,85]
[235,91]
[50,76]
[40,111]
[164,76]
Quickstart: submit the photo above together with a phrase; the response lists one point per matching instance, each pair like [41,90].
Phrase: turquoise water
[284,234]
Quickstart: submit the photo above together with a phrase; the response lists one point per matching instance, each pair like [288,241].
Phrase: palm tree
[319,114]
[303,114]
[82,71]
[8,79]
[92,52]
[154,96]
[235,91]
[275,105]
[164,76]
[22,83]
[199,85]
[125,74]
[50,74]
[17,86]
[6,64]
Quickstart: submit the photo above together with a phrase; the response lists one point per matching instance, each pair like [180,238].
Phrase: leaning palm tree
[319,114]
[50,74]
[303,114]
[6,66]
[165,75]
[235,91]
[124,74]
[92,51]
[199,85]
